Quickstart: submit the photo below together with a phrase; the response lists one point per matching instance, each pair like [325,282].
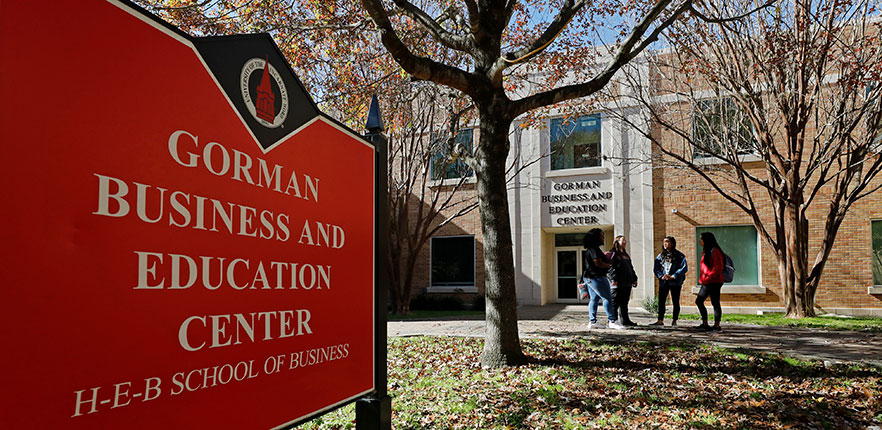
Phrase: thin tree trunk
[407,283]
[830,232]
[501,343]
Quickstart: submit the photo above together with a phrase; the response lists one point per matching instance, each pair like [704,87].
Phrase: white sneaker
[615,325]
[592,325]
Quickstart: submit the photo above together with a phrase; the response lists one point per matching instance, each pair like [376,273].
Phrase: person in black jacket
[622,278]
[670,269]
[595,283]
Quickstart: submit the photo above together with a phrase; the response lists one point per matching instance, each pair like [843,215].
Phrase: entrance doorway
[568,257]
[567,273]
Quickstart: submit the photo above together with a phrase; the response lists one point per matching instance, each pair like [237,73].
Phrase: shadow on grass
[775,376]
[754,364]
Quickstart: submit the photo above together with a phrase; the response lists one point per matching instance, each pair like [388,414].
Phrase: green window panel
[877,252]
[740,243]
[575,142]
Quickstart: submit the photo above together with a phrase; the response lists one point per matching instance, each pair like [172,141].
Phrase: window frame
[700,157]
[454,288]
[872,254]
[729,288]
[436,139]
[601,162]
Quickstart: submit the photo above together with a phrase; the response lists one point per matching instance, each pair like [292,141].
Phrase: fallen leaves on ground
[437,383]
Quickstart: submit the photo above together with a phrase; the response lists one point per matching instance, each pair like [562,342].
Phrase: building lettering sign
[187,241]
[576,201]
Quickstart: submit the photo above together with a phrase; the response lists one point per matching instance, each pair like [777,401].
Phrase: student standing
[670,269]
[623,278]
[595,266]
[711,280]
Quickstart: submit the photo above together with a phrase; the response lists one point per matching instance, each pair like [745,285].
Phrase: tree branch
[450,40]
[629,49]
[560,22]
[418,67]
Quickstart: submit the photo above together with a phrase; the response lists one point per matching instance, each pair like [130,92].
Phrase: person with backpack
[670,268]
[711,279]
[623,278]
[595,266]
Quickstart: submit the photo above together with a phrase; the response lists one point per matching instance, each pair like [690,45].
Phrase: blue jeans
[598,288]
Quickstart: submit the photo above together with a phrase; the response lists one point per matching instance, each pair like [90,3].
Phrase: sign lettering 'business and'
[574,202]
[177,251]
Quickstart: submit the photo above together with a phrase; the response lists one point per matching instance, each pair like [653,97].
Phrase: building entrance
[568,273]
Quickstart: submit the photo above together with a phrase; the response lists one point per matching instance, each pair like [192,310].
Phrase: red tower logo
[261,95]
[265,103]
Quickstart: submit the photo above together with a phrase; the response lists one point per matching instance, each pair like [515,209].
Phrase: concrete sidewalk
[571,321]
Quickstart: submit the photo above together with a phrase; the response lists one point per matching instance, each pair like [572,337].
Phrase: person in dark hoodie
[622,278]
[670,269]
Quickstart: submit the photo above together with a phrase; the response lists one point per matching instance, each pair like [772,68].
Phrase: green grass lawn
[778,319]
[437,383]
[436,315]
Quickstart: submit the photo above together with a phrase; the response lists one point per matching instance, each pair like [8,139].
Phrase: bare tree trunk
[407,283]
[799,303]
[501,343]
[393,261]
[831,228]
[395,282]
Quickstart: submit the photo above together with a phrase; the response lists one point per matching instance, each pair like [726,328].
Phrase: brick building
[581,172]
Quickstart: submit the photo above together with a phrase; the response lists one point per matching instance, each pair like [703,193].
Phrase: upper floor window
[718,123]
[442,166]
[575,142]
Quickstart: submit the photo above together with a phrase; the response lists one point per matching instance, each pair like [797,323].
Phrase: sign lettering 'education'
[576,202]
[188,241]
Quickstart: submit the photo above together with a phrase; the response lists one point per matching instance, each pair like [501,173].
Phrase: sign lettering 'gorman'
[188,241]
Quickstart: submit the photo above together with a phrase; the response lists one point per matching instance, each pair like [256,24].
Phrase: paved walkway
[561,321]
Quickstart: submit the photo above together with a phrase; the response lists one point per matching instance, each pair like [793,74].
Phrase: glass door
[567,273]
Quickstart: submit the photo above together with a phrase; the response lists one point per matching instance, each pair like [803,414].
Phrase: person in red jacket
[711,280]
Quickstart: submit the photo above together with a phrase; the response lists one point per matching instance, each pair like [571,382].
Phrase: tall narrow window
[442,167]
[740,243]
[718,124]
[877,252]
[575,142]
[453,261]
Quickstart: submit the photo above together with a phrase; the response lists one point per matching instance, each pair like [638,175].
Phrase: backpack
[728,268]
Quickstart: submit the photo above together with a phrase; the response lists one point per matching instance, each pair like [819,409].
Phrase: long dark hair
[710,242]
[673,245]
[592,239]
[616,248]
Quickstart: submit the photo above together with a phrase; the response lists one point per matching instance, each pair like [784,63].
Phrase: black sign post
[374,412]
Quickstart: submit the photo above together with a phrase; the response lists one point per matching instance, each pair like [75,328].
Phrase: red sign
[178,250]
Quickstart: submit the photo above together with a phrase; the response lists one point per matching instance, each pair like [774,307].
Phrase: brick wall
[468,224]
[848,271]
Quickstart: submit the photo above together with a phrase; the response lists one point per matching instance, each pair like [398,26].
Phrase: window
[877,252]
[740,243]
[453,261]
[442,168]
[718,122]
[575,142]
[569,239]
